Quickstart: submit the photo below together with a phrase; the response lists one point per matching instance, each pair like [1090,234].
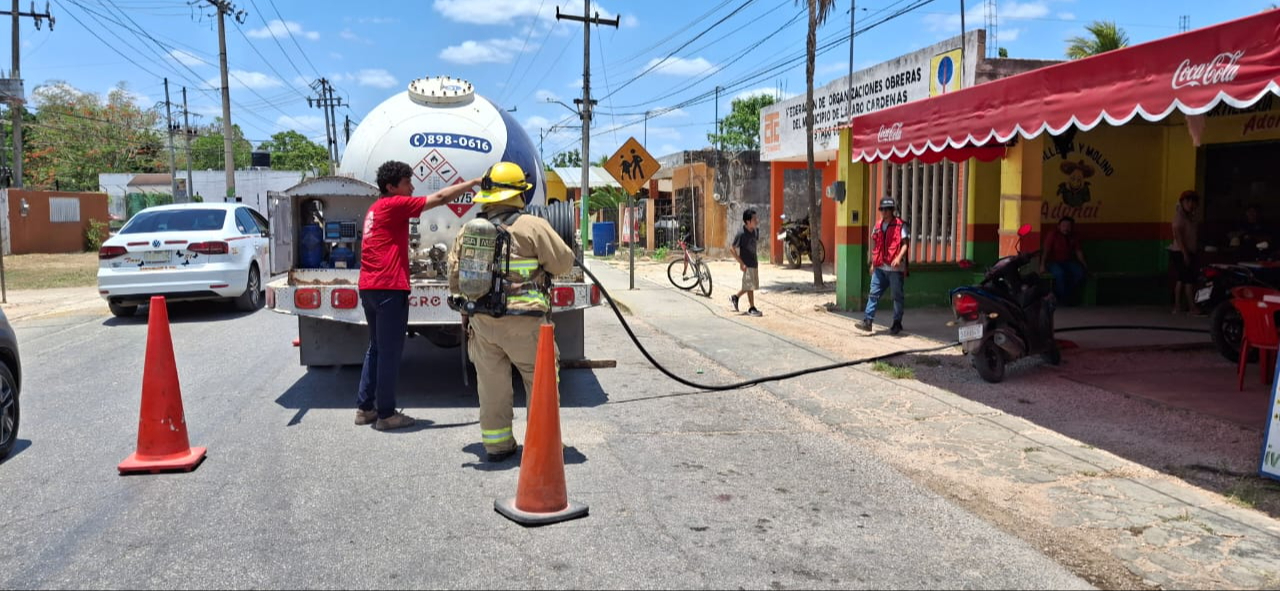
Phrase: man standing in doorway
[889,245]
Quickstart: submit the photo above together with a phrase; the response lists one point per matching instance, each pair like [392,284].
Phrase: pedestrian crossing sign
[632,166]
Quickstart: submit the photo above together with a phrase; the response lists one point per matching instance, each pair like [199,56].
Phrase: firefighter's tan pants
[495,344]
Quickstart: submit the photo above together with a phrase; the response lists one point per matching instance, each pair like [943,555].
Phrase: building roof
[150,179]
[572,177]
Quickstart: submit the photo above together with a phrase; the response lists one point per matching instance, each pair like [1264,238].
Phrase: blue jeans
[387,312]
[881,279]
[1068,276]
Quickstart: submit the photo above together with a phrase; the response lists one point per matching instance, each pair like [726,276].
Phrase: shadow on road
[19,446]
[430,377]
[185,312]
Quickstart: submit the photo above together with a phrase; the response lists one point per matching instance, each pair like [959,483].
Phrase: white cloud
[1016,10]
[544,96]
[832,68]
[492,12]
[666,149]
[377,78]
[280,29]
[770,91]
[630,21]
[245,79]
[1067,16]
[492,51]
[678,66]
[668,114]
[186,59]
[350,36]
[1007,35]
[576,84]
[305,124]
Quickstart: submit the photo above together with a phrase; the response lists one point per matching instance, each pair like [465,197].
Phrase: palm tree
[1105,37]
[818,11]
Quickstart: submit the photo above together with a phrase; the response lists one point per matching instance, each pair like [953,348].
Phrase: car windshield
[175,220]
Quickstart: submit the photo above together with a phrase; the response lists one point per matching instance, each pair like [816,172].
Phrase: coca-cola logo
[1220,69]
[890,134]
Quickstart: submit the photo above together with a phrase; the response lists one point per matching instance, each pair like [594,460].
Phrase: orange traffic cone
[541,497]
[162,428]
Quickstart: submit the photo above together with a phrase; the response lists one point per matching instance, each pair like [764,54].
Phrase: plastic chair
[1259,329]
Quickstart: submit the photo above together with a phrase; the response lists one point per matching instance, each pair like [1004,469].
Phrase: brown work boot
[493,457]
[366,417]
[395,421]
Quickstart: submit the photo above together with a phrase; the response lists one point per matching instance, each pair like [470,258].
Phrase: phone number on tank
[450,140]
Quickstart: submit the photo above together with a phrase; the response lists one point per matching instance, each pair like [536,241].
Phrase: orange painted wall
[34,233]
[830,173]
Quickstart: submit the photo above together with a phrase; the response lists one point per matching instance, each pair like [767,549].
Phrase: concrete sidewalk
[1112,521]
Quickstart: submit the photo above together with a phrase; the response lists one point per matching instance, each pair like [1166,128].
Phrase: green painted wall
[851,283]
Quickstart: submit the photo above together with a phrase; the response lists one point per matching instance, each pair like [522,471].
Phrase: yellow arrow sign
[632,166]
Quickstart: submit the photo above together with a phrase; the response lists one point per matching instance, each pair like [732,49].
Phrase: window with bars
[931,199]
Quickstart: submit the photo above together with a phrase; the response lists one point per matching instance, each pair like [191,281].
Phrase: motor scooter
[1007,316]
[795,242]
[1213,297]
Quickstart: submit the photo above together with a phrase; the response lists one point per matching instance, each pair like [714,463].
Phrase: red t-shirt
[1059,248]
[384,251]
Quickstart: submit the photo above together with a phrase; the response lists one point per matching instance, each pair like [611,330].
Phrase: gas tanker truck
[447,133]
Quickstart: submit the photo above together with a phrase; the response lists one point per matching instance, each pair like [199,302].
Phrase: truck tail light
[562,296]
[595,294]
[111,252]
[211,247]
[344,299]
[966,306]
[306,298]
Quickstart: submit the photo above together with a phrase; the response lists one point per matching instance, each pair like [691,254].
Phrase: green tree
[208,153]
[741,129]
[818,11]
[73,136]
[291,150]
[1004,53]
[1103,36]
[567,159]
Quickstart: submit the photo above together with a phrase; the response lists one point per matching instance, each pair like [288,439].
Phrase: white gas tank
[448,134]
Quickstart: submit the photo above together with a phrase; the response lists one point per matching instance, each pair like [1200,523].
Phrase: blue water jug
[342,257]
[311,247]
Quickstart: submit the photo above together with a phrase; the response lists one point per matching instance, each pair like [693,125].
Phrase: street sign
[632,166]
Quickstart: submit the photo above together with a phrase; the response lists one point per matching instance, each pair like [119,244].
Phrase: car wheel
[251,299]
[9,414]
[120,311]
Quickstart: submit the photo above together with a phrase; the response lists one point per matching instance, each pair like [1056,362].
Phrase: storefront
[1110,140]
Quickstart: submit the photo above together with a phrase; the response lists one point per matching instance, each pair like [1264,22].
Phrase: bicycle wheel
[704,278]
[682,274]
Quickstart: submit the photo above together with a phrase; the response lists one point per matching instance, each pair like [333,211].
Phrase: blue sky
[517,54]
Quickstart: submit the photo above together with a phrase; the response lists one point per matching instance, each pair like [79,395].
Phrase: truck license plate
[1203,294]
[971,332]
[157,256]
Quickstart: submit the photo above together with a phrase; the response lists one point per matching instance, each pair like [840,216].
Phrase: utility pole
[224,8]
[173,157]
[186,136]
[15,91]
[326,102]
[585,103]
[346,126]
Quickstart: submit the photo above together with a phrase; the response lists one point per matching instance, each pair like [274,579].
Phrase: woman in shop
[1183,252]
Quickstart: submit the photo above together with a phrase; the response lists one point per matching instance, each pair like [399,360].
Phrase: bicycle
[692,272]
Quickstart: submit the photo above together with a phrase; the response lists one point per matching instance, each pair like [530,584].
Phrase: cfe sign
[632,166]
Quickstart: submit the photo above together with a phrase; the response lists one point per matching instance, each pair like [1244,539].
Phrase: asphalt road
[719,490]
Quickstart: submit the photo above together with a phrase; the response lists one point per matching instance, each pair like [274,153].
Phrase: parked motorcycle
[1006,317]
[1213,297]
[795,242]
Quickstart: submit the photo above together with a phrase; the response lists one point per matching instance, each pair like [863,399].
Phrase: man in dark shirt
[744,251]
[1064,258]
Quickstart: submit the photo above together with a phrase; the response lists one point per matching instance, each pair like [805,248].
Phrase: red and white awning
[1236,62]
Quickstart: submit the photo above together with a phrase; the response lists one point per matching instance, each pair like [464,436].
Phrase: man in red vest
[889,245]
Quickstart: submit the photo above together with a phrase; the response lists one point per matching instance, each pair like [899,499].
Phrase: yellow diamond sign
[632,166]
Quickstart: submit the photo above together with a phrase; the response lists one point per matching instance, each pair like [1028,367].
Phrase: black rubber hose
[748,383]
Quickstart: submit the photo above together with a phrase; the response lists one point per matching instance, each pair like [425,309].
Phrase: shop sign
[1270,465]
[931,71]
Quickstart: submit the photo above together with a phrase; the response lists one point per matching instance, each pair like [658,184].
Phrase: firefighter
[500,270]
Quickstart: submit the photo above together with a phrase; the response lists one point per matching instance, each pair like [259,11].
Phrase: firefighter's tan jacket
[536,251]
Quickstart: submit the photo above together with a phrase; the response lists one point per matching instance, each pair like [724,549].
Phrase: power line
[516,61]
[295,39]
[276,39]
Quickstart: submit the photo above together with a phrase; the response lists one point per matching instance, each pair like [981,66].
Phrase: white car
[188,251]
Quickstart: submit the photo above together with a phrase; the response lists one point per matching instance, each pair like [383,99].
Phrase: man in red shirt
[1064,258]
[384,288]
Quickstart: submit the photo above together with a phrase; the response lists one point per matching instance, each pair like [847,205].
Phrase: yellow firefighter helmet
[502,182]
